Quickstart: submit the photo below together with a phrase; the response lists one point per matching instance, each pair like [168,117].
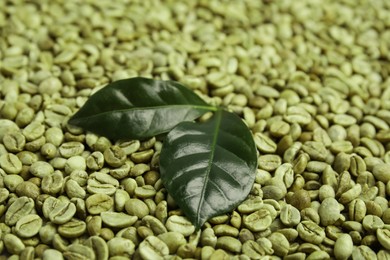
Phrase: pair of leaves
[208,168]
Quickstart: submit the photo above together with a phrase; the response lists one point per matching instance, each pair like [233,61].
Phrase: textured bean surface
[310,78]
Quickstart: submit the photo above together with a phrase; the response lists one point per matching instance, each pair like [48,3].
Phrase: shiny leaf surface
[209,168]
[139,108]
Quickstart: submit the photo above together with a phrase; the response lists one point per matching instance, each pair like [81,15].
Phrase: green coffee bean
[47,232]
[315,150]
[130,147]
[180,224]
[98,203]
[41,169]
[10,163]
[123,171]
[75,163]
[114,156]
[250,205]
[49,150]
[280,244]
[357,210]
[343,247]
[14,142]
[264,143]
[230,244]
[142,156]
[154,224]
[260,220]
[137,208]
[139,169]
[153,248]
[13,244]
[298,115]
[4,193]
[78,251]
[28,225]
[329,211]
[59,212]
[7,126]
[117,219]
[318,255]
[70,149]
[310,232]
[269,162]
[33,131]
[363,252]
[173,240]
[120,246]
[52,183]
[146,191]
[372,223]
[99,247]
[52,254]
[11,182]
[19,208]
[27,253]
[72,229]
[74,190]
[290,215]
[252,249]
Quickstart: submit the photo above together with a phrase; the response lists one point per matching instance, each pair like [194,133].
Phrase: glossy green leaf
[139,108]
[209,168]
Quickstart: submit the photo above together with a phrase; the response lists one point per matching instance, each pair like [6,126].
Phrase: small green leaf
[139,108]
[209,168]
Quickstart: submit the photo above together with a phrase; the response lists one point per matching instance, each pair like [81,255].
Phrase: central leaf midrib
[209,108]
[218,116]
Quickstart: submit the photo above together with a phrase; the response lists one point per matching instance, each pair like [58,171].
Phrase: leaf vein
[218,116]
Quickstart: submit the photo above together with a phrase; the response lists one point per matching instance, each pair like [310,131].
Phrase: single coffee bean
[50,254]
[180,224]
[343,247]
[78,251]
[329,211]
[98,203]
[310,232]
[59,212]
[13,244]
[47,232]
[41,169]
[280,244]
[173,240]
[72,229]
[250,205]
[121,246]
[10,163]
[28,226]
[252,249]
[363,252]
[98,246]
[260,220]
[19,208]
[371,223]
[114,156]
[383,236]
[137,208]
[117,219]
[14,142]
[290,216]
[230,244]
[52,183]
[154,224]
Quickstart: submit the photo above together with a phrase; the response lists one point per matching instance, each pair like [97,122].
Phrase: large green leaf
[139,108]
[209,168]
